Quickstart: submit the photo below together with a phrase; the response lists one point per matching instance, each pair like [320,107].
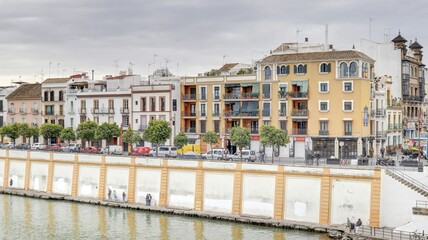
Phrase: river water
[28,218]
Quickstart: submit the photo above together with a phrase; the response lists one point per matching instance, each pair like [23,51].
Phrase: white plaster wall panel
[182,163]
[304,170]
[302,205]
[147,182]
[17,154]
[86,158]
[394,194]
[39,176]
[62,178]
[40,155]
[350,199]
[218,192]
[17,173]
[118,160]
[181,189]
[2,152]
[117,182]
[258,195]
[148,161]
[89,181]
[219,165]
[1,172]
[64,156]
[271,168]
[352,172]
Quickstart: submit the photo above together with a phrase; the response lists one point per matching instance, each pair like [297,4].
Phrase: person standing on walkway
[147,200]
[11,182]
[114,195]
[358,224]
[124,196]
[150,199]
[109,194]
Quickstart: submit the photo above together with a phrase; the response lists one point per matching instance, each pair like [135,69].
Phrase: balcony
[22,111]
[347,133]
[125,125]
[282,113]
[124,111]
[35,111]
[203,114]
[11,111]
[323,132]
[380,134]
[393,103]
[142,127]
[300,113]
[266,113]
[216,114]
[190,130]
[203,97]
[266,95]
[82,111]
[49,112]
[299,95]
[299,131]
[380,112]
[102,110]
[406,77]
[189,97]
[238,114]
[254,131]
[243,96]
[282,95]
[188,114]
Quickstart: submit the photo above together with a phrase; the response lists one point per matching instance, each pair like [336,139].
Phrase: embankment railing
[392,234]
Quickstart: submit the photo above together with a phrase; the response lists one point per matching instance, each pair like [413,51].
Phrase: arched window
[365,70]
[353,69]
[412,73]
[343,69]
[300,68]
[324,67]
[283,70]
[268,73]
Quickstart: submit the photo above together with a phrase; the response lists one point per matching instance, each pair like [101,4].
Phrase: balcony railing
[11,111]
[125,125]
[35,111]
[189,96]
[216,114]
[266,95]
[188,114]
[241,96]
[190,130]
[347,133]
[299,94]
[323,132]
[203,97]
[241,113]
[102,110]
[124,110]
[266,113]
[380,112]
[82,110]
[282,95]
[393,103]
[254,131]
[299,131]
[142,127]
[300,113]
[380,134]
[282,113]
[203,114]
[23,111]
[406,76]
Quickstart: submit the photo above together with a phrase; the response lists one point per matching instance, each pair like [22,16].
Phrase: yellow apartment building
[322,99]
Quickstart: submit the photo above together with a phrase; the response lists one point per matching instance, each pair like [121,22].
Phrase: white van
[114,149]
[247,156]
[215,154]
[165,151]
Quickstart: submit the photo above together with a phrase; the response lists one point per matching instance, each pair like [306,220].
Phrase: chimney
[306,39]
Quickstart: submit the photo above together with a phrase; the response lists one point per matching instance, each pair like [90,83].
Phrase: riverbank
[333,231]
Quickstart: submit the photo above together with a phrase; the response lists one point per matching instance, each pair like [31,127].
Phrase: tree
[86,131]
[23,130]
[245,71]
[157,133]
[213,72]
[240,137]
[106,131]
[211,138]
[180,140]
[50,130]
[11,131]
[131,137]
[67,134]
[33,131]
[273,137]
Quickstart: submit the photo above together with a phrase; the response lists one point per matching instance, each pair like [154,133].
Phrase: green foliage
[157,133]
[211,138]
[86,131]
[33,131]
[23,130]
[106,131]
[11,131]
[245,71]
[50,130]
[240,137]
[213,72]
[180,140]
[273,137]
[68,135]
[131,137]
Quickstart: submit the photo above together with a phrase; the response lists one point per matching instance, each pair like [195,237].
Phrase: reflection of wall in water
[63,175]
[39,176]
[147,181]
[1,172]
[17,173]
[89,178]
[117,182]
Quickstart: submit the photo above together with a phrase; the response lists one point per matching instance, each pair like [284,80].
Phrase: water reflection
[25,218]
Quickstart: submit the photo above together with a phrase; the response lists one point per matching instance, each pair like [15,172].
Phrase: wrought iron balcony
[35,111]
[23,111]
[299,131]
[188,114]
[299,94]
[190,130]
[323,132]
[282,113]
[123,110]
[82,111]
[229,114]
[282,95]
[300,113]
[189,97]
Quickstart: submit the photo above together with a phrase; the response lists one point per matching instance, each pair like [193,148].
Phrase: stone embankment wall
[308,194]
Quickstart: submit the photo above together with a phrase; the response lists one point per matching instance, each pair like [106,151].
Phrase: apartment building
[4,92]
[53,100]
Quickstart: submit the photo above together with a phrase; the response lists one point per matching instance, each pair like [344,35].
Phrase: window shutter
[287,70]
[295,69]
[329,67]
[304,68]
[277,70]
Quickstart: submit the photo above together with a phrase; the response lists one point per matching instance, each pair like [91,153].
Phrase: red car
[53,147]
[91,150]
[141,151]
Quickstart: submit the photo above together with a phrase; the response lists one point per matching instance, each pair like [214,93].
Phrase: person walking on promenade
[147,200]
[109,194]
[114,195]
[11,182]
[358,224]
[150,199]
[124,196]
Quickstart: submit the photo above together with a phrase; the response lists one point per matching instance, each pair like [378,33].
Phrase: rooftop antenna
[116,65]
[166,63]
[130,68]
[41,75]
[387,35]
[297,38]
[154,63]
[224,58]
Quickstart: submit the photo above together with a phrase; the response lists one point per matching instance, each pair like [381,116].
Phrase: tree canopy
[240,137]
[11,131]
[131,137]
[273,137]
[211,138]
[180,140]
[86,131]
[50,130]
[68,135]
[157,133]
[106,131]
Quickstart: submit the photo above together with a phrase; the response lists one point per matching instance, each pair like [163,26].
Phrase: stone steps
[407,183]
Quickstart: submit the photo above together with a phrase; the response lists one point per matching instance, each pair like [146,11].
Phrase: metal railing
[386,233]
[299,113]
[282,112]
[124,110]
[189,96]
[299,94]
[421,204]
[393,170]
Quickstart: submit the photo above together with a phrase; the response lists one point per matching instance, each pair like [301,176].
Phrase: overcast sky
[81,35]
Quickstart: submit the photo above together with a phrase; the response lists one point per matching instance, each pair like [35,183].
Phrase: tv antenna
[116,65]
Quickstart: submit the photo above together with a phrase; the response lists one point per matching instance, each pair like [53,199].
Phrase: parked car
[165,151]
[140,151]
[53,147]
[114,149]
[215,154]
[188,155]
[247,156]
[38,146]
[72,147]
[385,161]
[91,150]
[8,145]
[23,146]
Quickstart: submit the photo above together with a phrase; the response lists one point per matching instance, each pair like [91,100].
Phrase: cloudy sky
[81,35]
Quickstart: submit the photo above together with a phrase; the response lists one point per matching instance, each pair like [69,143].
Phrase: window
[266,122]
[203,93]
[96,104]
[323,87]
[152,104]
[46,96]
[162,104]
[203,112]
[49,109]
[52,96]
[365,70]
[347,106]
[283,125]
[300,69]
[323,106]
[266,110]
[216,112]
[110,119]
[83,104]
[216,93]
[143,104]
[136,103]
[174,104]
[347,128]
[72,122]
[347,87]
[83,118]
[323,127]
[96,120]
[353,69]
[325,67]
[284,70]
[111,104]
[125,121]
[343,70]
[217,126]
[266,90]
[203,126]
[268,73]
[61,110]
